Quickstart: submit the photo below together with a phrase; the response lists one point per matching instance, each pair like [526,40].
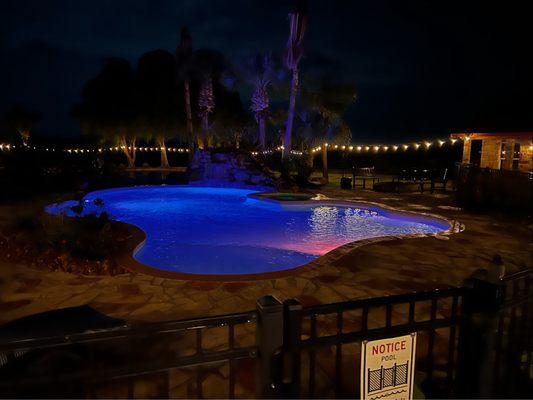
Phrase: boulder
[257,179]
[210,166]
[241,175]
[219,157]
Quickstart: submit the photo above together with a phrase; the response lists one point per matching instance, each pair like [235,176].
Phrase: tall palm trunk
[262,131]
[163,149]
[311,158]
[287,139]
[129,150]
[205,131]
[237,135]
[188,113]
[325,173]
[210,141]
[206,105]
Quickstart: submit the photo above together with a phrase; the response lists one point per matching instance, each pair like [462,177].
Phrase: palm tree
[334,131]
[260,74]
[306,135]
[293,54]
[206,105]
[323,125]
[230,120]
[184,61]
[278,120]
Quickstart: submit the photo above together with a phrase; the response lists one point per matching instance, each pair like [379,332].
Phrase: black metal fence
[473,341]
[326,351]
[132,361]
[502,190]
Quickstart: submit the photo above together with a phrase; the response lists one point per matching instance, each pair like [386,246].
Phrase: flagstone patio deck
[386,266]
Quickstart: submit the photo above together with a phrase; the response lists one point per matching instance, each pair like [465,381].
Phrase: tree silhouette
[109,107]
[322,123]
[22,120]
[230,120]
[158,98]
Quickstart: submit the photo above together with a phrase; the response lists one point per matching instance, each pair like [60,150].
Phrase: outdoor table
[363,178]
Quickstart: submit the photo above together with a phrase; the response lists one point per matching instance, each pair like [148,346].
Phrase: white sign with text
[387,368]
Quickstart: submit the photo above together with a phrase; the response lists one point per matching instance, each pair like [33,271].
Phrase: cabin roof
[493,135]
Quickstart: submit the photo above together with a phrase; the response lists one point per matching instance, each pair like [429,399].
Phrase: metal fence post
[477,338]
[269,340]
[292,335]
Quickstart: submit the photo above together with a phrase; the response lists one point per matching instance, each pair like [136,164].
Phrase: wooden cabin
[508,151]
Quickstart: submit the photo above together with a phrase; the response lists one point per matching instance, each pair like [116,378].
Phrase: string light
[359,148]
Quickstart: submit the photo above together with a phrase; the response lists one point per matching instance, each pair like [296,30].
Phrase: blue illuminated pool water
[201,230]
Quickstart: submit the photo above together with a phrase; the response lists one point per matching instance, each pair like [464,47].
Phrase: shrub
[303,172]
[89,236]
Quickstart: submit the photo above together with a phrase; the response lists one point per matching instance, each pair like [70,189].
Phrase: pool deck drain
[382,267]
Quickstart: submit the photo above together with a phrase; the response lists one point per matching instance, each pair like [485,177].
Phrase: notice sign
[387,368]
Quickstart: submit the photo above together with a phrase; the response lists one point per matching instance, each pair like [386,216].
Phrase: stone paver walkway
[384,267]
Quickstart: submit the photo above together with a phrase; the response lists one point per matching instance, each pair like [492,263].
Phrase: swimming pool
[223,231]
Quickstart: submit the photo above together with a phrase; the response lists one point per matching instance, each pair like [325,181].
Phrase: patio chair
[441,178]
[419,176]
[364,174]
[402,176]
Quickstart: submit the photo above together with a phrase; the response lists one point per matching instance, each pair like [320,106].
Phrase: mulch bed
[20,248]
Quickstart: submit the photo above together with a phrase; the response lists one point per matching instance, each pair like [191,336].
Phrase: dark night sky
[422,68]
